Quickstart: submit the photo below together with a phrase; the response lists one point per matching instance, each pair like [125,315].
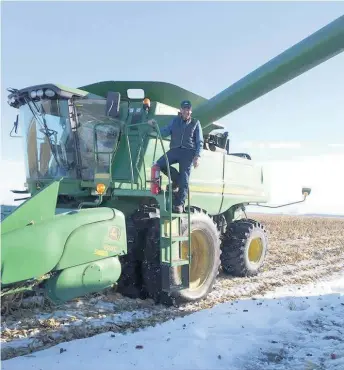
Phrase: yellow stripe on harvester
[101,253]
[227,190]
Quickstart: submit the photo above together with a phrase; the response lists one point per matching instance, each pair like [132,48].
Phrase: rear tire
[244,247]
[204,266]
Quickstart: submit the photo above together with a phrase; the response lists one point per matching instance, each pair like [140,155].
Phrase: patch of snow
[292,327]
[66,320]
[18,343]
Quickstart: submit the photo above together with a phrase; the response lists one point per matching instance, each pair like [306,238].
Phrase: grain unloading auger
[100,214]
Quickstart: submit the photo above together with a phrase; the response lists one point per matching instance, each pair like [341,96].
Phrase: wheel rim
[200,259]
[255,250]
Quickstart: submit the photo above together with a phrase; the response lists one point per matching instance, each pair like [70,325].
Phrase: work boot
[178,209]
[175,188]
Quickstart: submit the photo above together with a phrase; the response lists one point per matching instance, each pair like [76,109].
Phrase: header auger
[99,214]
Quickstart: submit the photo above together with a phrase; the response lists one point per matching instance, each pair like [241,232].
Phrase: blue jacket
[184,134]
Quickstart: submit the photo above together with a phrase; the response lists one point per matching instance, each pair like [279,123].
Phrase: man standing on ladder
[185,149]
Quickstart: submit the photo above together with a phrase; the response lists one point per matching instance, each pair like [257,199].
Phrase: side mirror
[113,100]
[306,192]
[16,124]
[15,127]
[227,145]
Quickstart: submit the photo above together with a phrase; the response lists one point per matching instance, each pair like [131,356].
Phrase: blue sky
[204,47]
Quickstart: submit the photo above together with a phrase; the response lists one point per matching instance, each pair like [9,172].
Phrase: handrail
[130,158]
[163,148]
[137,161]
[159,137]
[189,227]
[169,189]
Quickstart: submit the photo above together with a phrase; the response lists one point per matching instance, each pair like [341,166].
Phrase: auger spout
[303,56]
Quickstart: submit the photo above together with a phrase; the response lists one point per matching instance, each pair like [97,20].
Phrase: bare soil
[301,250]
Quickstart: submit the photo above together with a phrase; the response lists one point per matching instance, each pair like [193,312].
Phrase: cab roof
[162,92]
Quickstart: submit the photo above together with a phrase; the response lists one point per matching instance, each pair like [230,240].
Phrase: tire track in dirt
[227,289]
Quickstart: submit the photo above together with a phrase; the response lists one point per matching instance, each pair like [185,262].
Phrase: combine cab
[100,212]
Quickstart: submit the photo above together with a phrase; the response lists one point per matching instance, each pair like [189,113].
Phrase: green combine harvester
[99,213]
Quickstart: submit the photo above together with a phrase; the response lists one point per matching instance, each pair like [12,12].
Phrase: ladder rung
[176,288]
[178,262]
[177,238]
[166,271]
[179,214]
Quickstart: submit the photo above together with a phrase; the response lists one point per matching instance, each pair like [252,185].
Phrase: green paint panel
[67,186]
[206,182]
[32,251]
[83,279]
[95,241]
[35,250]
[243,182]
[39,208]
[127,205]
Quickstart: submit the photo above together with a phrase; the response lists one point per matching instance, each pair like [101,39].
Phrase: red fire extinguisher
[155,179]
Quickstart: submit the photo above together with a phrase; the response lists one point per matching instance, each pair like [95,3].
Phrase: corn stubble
[301,250]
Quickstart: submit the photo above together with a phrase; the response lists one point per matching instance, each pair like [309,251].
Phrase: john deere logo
[115,233]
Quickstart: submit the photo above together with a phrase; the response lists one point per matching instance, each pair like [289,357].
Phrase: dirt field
[302,250]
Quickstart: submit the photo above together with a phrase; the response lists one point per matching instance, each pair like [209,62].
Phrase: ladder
[170,240]
[171,243]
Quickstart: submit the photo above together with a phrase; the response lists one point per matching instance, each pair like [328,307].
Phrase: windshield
[53,151]
[48,143]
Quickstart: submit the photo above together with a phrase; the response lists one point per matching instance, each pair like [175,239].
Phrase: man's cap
[186,104]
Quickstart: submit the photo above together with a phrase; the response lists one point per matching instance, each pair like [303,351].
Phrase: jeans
[184,158]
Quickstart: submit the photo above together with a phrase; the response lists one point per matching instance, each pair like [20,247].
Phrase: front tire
[130,281]
[204,266]
[244,248]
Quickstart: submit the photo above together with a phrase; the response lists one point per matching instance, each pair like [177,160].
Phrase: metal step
[166,274]
[176,288]
[179,214]
[177,238]
[177,262]
[166,215]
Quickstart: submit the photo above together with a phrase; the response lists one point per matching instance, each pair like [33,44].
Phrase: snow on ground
[294,327]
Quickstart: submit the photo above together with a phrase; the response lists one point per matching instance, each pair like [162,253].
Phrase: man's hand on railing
[152,122]
[196,161]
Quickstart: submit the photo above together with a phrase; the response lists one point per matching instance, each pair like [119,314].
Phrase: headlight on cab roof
[49,93]
[40,93]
